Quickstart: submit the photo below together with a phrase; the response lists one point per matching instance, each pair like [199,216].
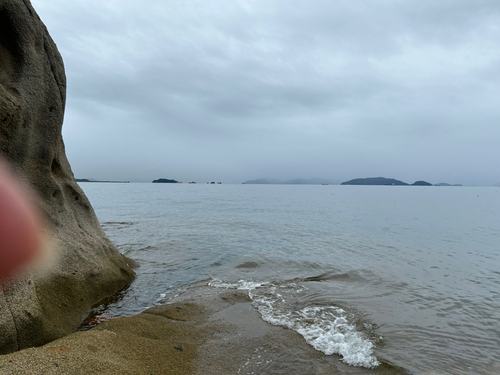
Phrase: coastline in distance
[383,181]
[296,181]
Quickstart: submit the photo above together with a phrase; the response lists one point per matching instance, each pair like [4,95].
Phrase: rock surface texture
[41,306]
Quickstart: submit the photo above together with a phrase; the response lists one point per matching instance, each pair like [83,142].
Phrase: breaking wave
[329,329]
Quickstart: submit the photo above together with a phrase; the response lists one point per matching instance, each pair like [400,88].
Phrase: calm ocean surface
[405,275]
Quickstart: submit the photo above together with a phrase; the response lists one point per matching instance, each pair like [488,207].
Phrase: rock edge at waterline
[204,331]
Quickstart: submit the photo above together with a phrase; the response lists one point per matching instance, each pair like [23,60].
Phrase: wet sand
[203,331]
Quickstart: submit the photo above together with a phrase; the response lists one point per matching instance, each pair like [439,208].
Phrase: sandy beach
[204,331]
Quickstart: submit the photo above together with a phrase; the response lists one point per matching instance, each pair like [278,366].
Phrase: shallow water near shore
[402,275]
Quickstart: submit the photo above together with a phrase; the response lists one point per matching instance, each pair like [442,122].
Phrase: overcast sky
[231,90]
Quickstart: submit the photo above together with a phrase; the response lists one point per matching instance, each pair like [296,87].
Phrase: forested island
[165,181]
[383,181]
[322,181]
[421,183]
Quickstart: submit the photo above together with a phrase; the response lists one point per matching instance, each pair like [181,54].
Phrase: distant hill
[264,181]
[421,183]
[92,180]
[296,181]
[446,184]
[374,181]
[311,181]
[165,181]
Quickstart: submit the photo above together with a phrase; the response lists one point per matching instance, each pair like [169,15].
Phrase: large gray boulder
[42,306]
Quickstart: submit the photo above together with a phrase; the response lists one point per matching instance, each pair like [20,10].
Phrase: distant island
[92,180]
[296,181]
[383,181]
[165,181]
[421,183]
[446,184]
[374,181]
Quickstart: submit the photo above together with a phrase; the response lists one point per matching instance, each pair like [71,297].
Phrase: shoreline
[204,330]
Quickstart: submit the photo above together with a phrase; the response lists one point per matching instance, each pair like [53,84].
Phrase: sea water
[405,275]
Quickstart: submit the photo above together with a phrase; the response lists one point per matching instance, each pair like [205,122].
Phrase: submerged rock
[39,307]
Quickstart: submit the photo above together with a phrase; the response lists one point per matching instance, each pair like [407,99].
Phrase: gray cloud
[244,89]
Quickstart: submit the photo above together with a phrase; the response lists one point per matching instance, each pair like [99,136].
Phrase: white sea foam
[241,284]
[331,332]
[328,329]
